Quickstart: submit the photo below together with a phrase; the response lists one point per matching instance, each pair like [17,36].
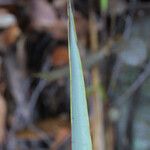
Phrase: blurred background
[114,42]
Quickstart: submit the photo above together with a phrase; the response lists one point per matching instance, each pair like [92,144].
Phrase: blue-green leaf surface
[81,139]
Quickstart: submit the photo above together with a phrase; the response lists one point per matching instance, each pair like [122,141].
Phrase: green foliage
[81,139]
[104,5]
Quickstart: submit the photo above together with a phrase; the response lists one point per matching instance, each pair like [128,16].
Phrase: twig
[97,115]
[39,88]
[139,81]
[15,79]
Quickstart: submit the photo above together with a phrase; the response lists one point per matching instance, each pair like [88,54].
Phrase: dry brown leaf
[60,56]
[10,35]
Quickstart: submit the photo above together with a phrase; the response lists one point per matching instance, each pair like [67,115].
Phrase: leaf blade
[81,139]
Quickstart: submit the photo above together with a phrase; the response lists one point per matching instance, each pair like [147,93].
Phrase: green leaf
[104,5]
[81,139]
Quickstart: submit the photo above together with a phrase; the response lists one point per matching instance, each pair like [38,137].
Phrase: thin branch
[139,81]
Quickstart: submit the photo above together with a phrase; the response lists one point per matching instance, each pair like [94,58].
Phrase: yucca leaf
[81,139]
